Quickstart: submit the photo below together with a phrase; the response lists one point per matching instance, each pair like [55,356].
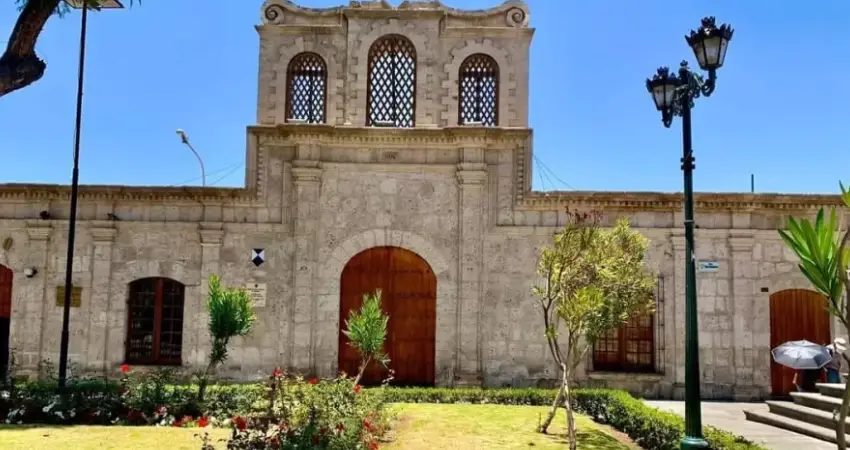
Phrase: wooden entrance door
[795,314]
[409,297]
[5,316]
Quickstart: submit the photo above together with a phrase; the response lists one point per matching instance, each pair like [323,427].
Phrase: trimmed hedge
[648,427]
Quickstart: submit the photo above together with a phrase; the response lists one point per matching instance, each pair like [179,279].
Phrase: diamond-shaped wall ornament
[479,90]
[258,256]
[306,81]
[392,82]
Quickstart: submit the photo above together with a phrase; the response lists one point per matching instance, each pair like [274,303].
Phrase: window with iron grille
[391,84]
[155,323]
[307,78]
[479,91]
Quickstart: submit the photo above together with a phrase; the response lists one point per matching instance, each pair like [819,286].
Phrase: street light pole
[185,140]
[674,96]
[75,184]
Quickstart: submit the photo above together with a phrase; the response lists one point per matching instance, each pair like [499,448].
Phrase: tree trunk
[19,65]
[559,400]
[362,370]
[568,404]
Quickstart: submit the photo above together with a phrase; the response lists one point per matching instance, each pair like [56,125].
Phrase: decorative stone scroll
[517,17]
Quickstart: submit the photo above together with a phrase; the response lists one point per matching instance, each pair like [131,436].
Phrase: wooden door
[795,314]
[409,297]
[5,316]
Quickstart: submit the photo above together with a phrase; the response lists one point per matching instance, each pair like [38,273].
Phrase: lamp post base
[693,442]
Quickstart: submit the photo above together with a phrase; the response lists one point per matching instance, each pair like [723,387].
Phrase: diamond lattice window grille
[307,78]
[392,82]
[479,91]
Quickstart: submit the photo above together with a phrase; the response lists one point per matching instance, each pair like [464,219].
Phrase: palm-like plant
[366,330]
[230,315]
[824,256]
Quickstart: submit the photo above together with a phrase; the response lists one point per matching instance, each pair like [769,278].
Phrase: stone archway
[409,297]
[795,314]
[5,317]
[329,293]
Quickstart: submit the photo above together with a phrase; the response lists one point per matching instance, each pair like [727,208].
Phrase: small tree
[231,314]
[824,256]
[366,330]
[594,280]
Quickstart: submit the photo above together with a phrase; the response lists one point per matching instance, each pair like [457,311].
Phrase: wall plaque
[76,296]
[257,291]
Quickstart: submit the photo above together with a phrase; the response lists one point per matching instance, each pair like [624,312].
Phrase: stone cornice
[50,192]
[211,233]
[332,135]
[663,201]
[276,12]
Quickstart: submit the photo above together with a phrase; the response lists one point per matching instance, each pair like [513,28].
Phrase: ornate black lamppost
[674,96]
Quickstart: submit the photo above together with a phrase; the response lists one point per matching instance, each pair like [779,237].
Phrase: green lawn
[419,427]
[497,427]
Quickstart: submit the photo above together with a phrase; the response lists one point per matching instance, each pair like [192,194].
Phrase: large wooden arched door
[409,296]
[5,316]
[795,314]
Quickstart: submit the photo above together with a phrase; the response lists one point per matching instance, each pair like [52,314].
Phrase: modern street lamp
[674,96]
[185,140]
[84,5]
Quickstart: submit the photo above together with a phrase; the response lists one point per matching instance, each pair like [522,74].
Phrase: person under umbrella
[807,358]
[833,367]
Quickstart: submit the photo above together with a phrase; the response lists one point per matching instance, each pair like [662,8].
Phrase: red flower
[367,425]
[372,445]
[125,368]
[313,381]
[356,388]
[240,422]
[340,428]
[203,421]
[276,372]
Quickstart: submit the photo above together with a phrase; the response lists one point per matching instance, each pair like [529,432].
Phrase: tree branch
[19,65]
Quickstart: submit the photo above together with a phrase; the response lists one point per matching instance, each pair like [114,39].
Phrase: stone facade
[459,196]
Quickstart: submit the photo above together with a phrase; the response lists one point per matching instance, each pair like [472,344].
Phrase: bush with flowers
[333,414]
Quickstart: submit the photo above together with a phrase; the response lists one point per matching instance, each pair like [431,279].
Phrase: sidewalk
[730,417]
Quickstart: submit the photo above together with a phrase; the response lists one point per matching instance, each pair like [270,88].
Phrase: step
[832,389]
[816,400]
[786,423]
[802,413]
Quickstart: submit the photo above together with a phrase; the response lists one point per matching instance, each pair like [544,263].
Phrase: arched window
[306,85]
[155,323]
[479,91]
[391,84]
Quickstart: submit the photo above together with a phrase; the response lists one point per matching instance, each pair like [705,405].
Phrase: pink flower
[276,372]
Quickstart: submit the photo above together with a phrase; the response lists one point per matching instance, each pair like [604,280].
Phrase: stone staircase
[809,414]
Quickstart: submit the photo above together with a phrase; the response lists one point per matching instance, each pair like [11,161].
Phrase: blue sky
[778,112]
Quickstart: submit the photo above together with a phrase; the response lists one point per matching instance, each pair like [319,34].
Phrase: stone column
[744,274]
[103,236]
[471,179]
[307,176]
[196,335]
[678,329]
[28,298]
